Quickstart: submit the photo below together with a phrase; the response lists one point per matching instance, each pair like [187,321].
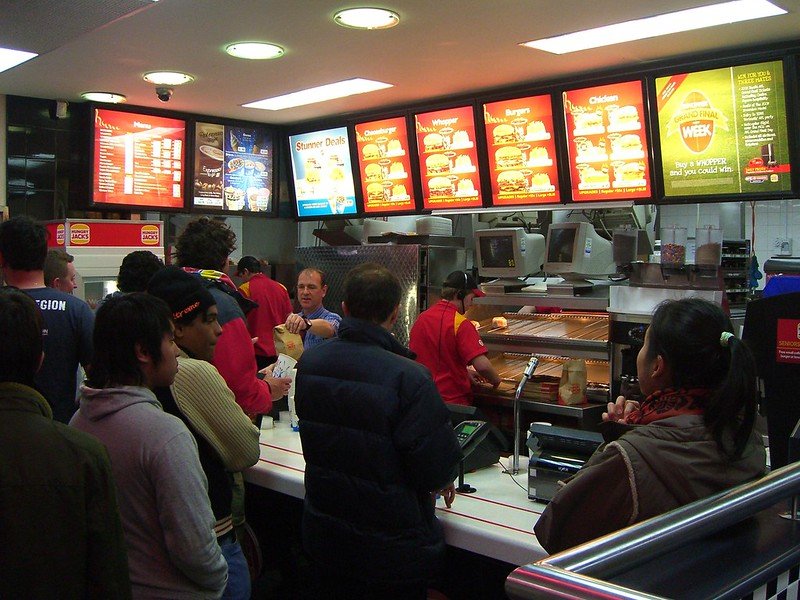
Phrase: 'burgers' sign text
[448,160]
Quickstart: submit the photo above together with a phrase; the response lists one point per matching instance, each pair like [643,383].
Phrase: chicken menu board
[322,172]
[138,159]
[521,145]
[607,143]
[724,131]
[233,168]
[448,159]
[385,167]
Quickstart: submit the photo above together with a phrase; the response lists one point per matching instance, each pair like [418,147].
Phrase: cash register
[555,454]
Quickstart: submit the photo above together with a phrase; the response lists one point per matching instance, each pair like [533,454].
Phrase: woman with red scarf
[691,437]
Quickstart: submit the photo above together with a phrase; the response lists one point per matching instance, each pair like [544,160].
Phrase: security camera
[164,93]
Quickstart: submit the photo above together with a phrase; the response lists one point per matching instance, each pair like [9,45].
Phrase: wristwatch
[307,322]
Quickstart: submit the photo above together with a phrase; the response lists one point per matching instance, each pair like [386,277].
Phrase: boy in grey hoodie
[162,491]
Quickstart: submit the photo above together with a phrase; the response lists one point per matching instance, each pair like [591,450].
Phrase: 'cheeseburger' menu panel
[724,131]
[448,159]
[323,174]
[521,146]
[233,168]
[607,142]
[138,159]
[385,166]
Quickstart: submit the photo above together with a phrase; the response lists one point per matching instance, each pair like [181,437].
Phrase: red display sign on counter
[787,348]
[522,151]
[384,165]
[607,142]
[109,234]
[139,160]
[448,159]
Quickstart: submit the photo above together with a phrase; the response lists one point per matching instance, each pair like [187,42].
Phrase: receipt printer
[555,454]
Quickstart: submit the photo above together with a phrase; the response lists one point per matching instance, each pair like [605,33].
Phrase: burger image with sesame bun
[373,172]
[433,142]
[507,157]
[511,182]
[375,193]
[437,163]
[439,187]
[504,134]
[371,152]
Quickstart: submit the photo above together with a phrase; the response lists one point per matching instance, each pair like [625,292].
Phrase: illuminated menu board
[724,131]
[522,150]
[322,172]
[385,166]
[233,168]
[607,143]
[138,159]
[448,159]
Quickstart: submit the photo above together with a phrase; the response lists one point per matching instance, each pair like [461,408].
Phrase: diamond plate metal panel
[336,261]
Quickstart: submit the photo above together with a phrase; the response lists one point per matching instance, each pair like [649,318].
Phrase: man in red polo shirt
[273,307]
[446,342]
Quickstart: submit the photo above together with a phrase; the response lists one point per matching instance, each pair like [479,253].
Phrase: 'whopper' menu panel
[723,131]
[139,160]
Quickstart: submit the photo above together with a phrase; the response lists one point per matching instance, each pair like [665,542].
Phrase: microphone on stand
[533,362]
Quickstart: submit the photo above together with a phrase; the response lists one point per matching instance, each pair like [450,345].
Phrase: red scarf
[670,403]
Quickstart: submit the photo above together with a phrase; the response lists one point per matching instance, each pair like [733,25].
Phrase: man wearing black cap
[446,342]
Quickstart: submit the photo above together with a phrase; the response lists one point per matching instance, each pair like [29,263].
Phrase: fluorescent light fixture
[254,50]
[167,77]
[331,91]
[639,29]
[366,18]
[108,97]
[11,58]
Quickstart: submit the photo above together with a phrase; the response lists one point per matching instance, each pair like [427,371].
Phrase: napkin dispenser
[555,454]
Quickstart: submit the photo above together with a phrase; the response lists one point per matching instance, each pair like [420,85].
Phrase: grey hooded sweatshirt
[162,494]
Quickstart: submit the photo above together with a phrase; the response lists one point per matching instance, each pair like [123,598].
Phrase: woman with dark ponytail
[692,436]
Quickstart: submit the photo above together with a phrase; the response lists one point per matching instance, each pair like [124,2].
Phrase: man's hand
[448,494]
[618,411]
[295,323]
[278,386]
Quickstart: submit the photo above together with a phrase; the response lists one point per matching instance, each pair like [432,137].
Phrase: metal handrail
[576,573]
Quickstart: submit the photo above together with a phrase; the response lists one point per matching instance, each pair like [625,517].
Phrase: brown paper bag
[572,387]
[290,344]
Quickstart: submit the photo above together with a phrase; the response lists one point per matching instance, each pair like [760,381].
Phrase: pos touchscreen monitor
[575,251]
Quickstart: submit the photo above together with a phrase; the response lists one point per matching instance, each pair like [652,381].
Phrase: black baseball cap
[463,280]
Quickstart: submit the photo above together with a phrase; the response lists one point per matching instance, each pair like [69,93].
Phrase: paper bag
[290,344]
[572,387]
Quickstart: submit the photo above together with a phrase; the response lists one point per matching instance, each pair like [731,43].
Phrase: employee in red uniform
[273,307]
[446,342]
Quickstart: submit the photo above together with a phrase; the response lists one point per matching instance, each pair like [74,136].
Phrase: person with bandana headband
[692,436]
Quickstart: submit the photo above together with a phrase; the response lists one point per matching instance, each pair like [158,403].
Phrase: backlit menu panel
[385,166]
[723,131]
[233,168]
[448,159]
[139,160]
[322,172]
[607,143]
[521,147]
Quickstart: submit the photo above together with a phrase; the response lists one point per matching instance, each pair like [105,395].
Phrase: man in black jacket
[378,446]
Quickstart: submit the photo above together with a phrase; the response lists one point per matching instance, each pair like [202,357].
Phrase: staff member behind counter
[446,342]
[314,322]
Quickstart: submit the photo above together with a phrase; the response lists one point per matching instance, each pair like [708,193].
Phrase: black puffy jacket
[377,440]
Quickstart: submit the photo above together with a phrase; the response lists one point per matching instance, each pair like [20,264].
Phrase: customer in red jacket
[273,307]
[203,249]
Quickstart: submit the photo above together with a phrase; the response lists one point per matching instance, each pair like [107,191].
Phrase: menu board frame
[424,152]
[531,145]
[351,157]
[275,140]
[413,186]
[612,111]
[790,101]
[144,112]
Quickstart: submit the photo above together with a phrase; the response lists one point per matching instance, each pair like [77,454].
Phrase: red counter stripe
[279,448]
[533,512]
[451,511]
[269,462]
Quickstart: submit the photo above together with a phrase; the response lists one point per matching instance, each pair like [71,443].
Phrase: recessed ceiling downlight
[254,50]
[367,18]
[167,77]
[108,97]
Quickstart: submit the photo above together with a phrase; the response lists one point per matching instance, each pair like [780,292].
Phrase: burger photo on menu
[587,123]
[504,134]
[623,118]
[439,187]
[592,178]
[628,174]
[437,164]
[375,193]
[373,172]
[512,182]
[508,157]
[587,151]
[626,146]
[371,152]
[433,142]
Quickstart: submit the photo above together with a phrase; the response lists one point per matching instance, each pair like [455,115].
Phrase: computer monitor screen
[576,251]
[508,252]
